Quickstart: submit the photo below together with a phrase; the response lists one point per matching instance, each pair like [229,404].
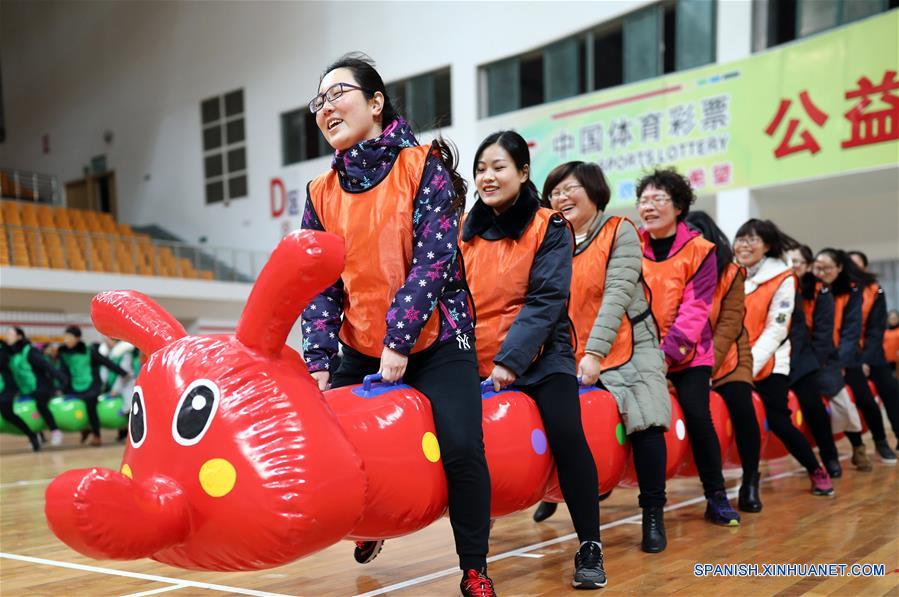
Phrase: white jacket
[775,338]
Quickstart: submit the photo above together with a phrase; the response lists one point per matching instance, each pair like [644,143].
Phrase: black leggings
[7,399]
[888,390]
[559,403]
[738,397]
[773,392]
[448,376]
[42,402]
[864,400]
[815,413]
[692,387]
[650,460]
[90,398]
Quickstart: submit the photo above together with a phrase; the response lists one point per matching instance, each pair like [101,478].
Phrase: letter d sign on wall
[277,197]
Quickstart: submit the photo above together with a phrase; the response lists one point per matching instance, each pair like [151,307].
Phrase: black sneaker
[366,551]
[544,511]
[887,456]
[35,443]
[476,583]
[588,570]
[834,469]
[604,496]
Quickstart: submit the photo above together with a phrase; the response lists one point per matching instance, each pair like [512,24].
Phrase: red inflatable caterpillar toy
[236,461]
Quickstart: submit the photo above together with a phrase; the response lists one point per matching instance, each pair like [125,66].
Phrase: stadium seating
[45,236]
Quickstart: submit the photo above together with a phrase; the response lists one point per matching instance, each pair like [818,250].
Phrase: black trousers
[559,403]
[738,397]
[888,390]
[650,460]
[864,400]
[448,376]
[42,402]
[91,398]
[7,399]
[773,392]
[692,387]
[815,413]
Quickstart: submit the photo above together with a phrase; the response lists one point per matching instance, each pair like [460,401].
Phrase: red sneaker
[476,584]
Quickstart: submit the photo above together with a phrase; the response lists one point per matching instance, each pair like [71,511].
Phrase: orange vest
[891,344]
[376,226]
[839,306]
[498,273]
[758,303]
[808,307]
[725,283]
[588,280]
[869,295]
[667,279]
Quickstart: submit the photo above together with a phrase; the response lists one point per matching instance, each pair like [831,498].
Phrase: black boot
[654,540]
[544,511]
[749,500]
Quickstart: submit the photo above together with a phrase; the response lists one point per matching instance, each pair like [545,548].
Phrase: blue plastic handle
[375,378]
[486,386]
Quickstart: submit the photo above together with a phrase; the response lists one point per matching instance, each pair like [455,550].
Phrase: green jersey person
[34,377]
[81,366]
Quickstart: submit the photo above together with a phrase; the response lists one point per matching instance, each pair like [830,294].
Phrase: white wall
[140,69]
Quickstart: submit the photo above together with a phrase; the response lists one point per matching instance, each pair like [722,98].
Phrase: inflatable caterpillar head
[233,461]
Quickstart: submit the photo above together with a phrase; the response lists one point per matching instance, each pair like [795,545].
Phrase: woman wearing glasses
[518,264]
[617,341]
[813,370]
[680,269]
[400,307]
[770,287]
[846,280]
[732,372]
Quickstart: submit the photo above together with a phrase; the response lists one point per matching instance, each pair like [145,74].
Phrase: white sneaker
[56,438]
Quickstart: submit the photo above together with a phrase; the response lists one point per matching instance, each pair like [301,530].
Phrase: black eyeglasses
[332,94]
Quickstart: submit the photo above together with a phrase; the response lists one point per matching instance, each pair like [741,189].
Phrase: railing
[78,250]
[30,186]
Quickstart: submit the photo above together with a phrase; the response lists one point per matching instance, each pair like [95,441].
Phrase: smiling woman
[396,205]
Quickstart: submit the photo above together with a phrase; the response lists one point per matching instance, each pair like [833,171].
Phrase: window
[425,100]
[665,37]
[780,21]
[300,137]
[224,147]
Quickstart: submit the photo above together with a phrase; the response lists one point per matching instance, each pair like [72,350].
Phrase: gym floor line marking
[151,577]
[523,550]
[155,591]
[24,483]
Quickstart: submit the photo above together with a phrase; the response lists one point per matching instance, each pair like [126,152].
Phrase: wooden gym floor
[860,525]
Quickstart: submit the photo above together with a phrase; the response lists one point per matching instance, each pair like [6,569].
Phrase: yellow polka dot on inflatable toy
[217,477]
[430,447]
[79,415]
[799,418]
[126,470]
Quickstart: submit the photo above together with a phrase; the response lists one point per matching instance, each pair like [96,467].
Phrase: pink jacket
[691,327]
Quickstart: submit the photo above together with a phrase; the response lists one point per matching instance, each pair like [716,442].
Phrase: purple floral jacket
[434,278]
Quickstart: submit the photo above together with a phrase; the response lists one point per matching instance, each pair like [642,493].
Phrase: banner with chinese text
[820,106]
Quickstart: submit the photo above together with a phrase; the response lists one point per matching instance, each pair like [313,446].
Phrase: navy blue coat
[539,343]
[872,353]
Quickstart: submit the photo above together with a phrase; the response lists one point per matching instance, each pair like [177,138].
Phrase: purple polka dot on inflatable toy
[766,425]
[538,441]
